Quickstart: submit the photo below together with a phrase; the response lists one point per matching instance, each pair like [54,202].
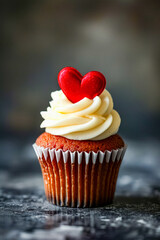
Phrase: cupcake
[80,151]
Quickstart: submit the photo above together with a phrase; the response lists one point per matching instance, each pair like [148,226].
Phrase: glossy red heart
[76,87]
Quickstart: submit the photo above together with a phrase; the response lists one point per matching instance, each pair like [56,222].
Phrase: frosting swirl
[84,120]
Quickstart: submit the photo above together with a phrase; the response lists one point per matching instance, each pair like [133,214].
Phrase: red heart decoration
[76,87]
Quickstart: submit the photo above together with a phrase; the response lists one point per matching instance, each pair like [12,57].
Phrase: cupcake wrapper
[79,179]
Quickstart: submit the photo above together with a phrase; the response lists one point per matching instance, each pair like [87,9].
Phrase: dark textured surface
[25,213]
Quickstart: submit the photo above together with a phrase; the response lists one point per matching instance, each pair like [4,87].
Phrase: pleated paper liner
[79,179]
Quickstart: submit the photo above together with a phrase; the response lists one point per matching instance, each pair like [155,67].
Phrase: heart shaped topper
[76,87]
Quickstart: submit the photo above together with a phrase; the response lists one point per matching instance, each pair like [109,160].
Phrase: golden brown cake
[48,140]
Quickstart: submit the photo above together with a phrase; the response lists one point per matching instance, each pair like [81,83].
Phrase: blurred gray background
[119,38]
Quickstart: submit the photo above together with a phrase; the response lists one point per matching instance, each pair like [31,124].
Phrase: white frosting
[87,119]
